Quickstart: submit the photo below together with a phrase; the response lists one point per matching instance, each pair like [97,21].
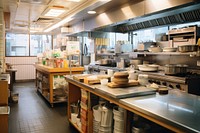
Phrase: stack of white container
[118,119]
[103,118]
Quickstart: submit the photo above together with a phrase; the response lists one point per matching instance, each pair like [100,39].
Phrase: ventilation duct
[181,15]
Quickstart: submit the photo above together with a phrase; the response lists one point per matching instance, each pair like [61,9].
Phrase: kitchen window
[27,45]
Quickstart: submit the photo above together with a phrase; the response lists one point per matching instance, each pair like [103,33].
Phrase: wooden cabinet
[45,81]
[3,93]
[4,109]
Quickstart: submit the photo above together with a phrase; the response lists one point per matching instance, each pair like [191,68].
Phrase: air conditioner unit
[66,30]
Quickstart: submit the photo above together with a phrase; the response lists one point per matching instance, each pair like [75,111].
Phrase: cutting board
[91,81]
[131,83]
[81,77]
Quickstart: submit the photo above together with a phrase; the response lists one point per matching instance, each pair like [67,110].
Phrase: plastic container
[74,117]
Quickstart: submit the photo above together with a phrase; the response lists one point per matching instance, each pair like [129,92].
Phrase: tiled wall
[24,66]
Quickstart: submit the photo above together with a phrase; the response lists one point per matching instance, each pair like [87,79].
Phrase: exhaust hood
[176,15]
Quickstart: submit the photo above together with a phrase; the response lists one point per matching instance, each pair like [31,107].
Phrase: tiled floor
[32,114]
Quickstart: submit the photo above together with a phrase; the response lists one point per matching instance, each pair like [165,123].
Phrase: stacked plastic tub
[118,120]
[103,118]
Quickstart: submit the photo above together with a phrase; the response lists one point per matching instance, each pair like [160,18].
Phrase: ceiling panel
[31,12]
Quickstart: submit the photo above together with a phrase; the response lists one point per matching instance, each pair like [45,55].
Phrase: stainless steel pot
[188,48]
[181,69]
[170,69]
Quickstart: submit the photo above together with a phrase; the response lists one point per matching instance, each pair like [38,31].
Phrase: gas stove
[188,82]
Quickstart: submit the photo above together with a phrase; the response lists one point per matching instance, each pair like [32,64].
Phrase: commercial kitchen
[99,66]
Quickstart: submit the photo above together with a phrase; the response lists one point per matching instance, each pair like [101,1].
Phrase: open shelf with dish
[51,84]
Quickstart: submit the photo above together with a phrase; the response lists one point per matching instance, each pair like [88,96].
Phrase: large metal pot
[187,48]
[181,69]
[170,69]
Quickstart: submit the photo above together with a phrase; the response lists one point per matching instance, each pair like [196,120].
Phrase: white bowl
[104,81]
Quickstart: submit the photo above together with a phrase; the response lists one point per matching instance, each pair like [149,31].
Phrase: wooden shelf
[75,125]
[47,82]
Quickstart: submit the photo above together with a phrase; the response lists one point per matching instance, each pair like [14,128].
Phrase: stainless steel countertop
[179,109]
[124,92]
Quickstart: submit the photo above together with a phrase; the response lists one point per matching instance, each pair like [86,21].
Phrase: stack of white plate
[118,120]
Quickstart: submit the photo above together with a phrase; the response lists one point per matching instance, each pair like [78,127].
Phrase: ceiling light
[91,12]
[65,20]
[74,0]
[105,0]
[54,12]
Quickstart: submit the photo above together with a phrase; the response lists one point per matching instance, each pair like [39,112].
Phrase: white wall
[24,66]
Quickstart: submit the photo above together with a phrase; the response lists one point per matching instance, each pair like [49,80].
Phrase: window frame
[29,44]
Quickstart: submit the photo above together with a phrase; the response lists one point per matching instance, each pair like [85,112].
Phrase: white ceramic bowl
[104,81]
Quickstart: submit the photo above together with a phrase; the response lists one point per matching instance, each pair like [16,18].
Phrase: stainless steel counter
[124,92]
[179,109]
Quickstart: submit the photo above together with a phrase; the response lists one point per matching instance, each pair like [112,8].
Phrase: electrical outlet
[198,63]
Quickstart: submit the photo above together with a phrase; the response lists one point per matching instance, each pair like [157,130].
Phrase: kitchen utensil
[187,48]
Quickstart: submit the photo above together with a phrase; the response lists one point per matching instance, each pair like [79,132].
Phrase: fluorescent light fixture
[91,12]
[65,20]
[74,0]
[54,12]
[105,0]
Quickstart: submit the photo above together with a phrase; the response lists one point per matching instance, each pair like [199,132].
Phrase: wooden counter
[75,88]
[44,79]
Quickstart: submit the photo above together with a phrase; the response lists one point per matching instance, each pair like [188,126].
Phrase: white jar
[143,79]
